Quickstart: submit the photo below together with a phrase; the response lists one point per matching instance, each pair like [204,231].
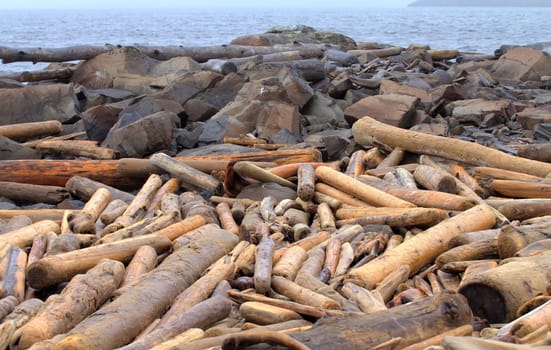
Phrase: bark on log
[197,53]
[62,267]
[119,322]
[423,248]
[412,323]
[24,131]
[81,297]
[497,293]
[368,130]
[28,193]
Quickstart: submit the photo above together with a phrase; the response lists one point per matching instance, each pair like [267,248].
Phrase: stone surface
[323,110]
[522,64]
[476,110]
[530,117]
[11,150]
[290,35]
[394,109]
[189,85]
[334,144]
[99,120]
[391,87]
[144,136]
[36,103]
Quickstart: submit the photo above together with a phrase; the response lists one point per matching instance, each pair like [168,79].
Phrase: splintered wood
[378,254]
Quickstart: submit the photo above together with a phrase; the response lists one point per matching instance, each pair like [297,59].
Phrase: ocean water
[468,29]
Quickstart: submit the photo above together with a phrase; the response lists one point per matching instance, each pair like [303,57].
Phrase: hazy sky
[45,4]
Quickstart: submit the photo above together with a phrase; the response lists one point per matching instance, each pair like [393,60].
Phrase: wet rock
[11,150]
[290,35]
[521,64]
[37,103]
[394,109]
[475,110]
[146,135]
[529,118]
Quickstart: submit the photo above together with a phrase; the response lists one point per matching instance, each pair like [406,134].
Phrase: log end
[38,275]
[82,223]
[485,302]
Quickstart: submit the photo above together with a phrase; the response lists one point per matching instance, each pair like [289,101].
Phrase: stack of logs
[372,252]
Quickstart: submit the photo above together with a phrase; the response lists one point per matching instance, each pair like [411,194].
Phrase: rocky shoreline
[294,188]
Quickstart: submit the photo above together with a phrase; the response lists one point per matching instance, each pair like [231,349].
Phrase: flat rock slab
[38,103]
[532,116]
[522,64]
[393,109]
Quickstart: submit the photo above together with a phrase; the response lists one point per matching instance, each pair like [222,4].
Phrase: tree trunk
[53,269]
[21,192]
[119,322]
[197,53]
[24,131]
[497,294]
[368,130]
[423,248]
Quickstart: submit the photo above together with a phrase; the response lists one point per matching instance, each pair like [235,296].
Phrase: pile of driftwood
[368,252]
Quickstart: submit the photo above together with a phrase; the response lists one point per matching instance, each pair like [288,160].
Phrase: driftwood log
[198,53]
[370,131]
[405,324]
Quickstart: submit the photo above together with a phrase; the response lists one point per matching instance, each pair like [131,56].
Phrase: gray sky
[45,4]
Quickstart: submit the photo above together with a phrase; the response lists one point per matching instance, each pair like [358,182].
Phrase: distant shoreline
[475,3]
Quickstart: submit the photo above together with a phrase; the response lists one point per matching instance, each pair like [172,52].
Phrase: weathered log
[249,169]
[540,151]
[7,305]
[496,294]
[397,217]
[197,53]
[197,292]
[114,209]
[82,296]
[239,340]
[12,273]
[521,189]
[356,165]
[302,295]
[143,261]
[264,314]
[340,195]
[61,74]
[368,301]
[422,249]
[28,193]
[119,322]
[183,338]
[511,239]
[139,228]
[130,173]
[387,287]
[78,148]
[263,264]
[181,227]
[417,321]
[358,189]
[483,249]
[186,174]
[368,130]
[434,179]
[485,173]
[392,159]
[137,208]
[422,198]
[169,187]
[306,182]
[463,175]
[290,262]
[62,267]
[522,209]
[24,131]
[201,315]
[84,188]
[527,323]
[23,237]
[85,220]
